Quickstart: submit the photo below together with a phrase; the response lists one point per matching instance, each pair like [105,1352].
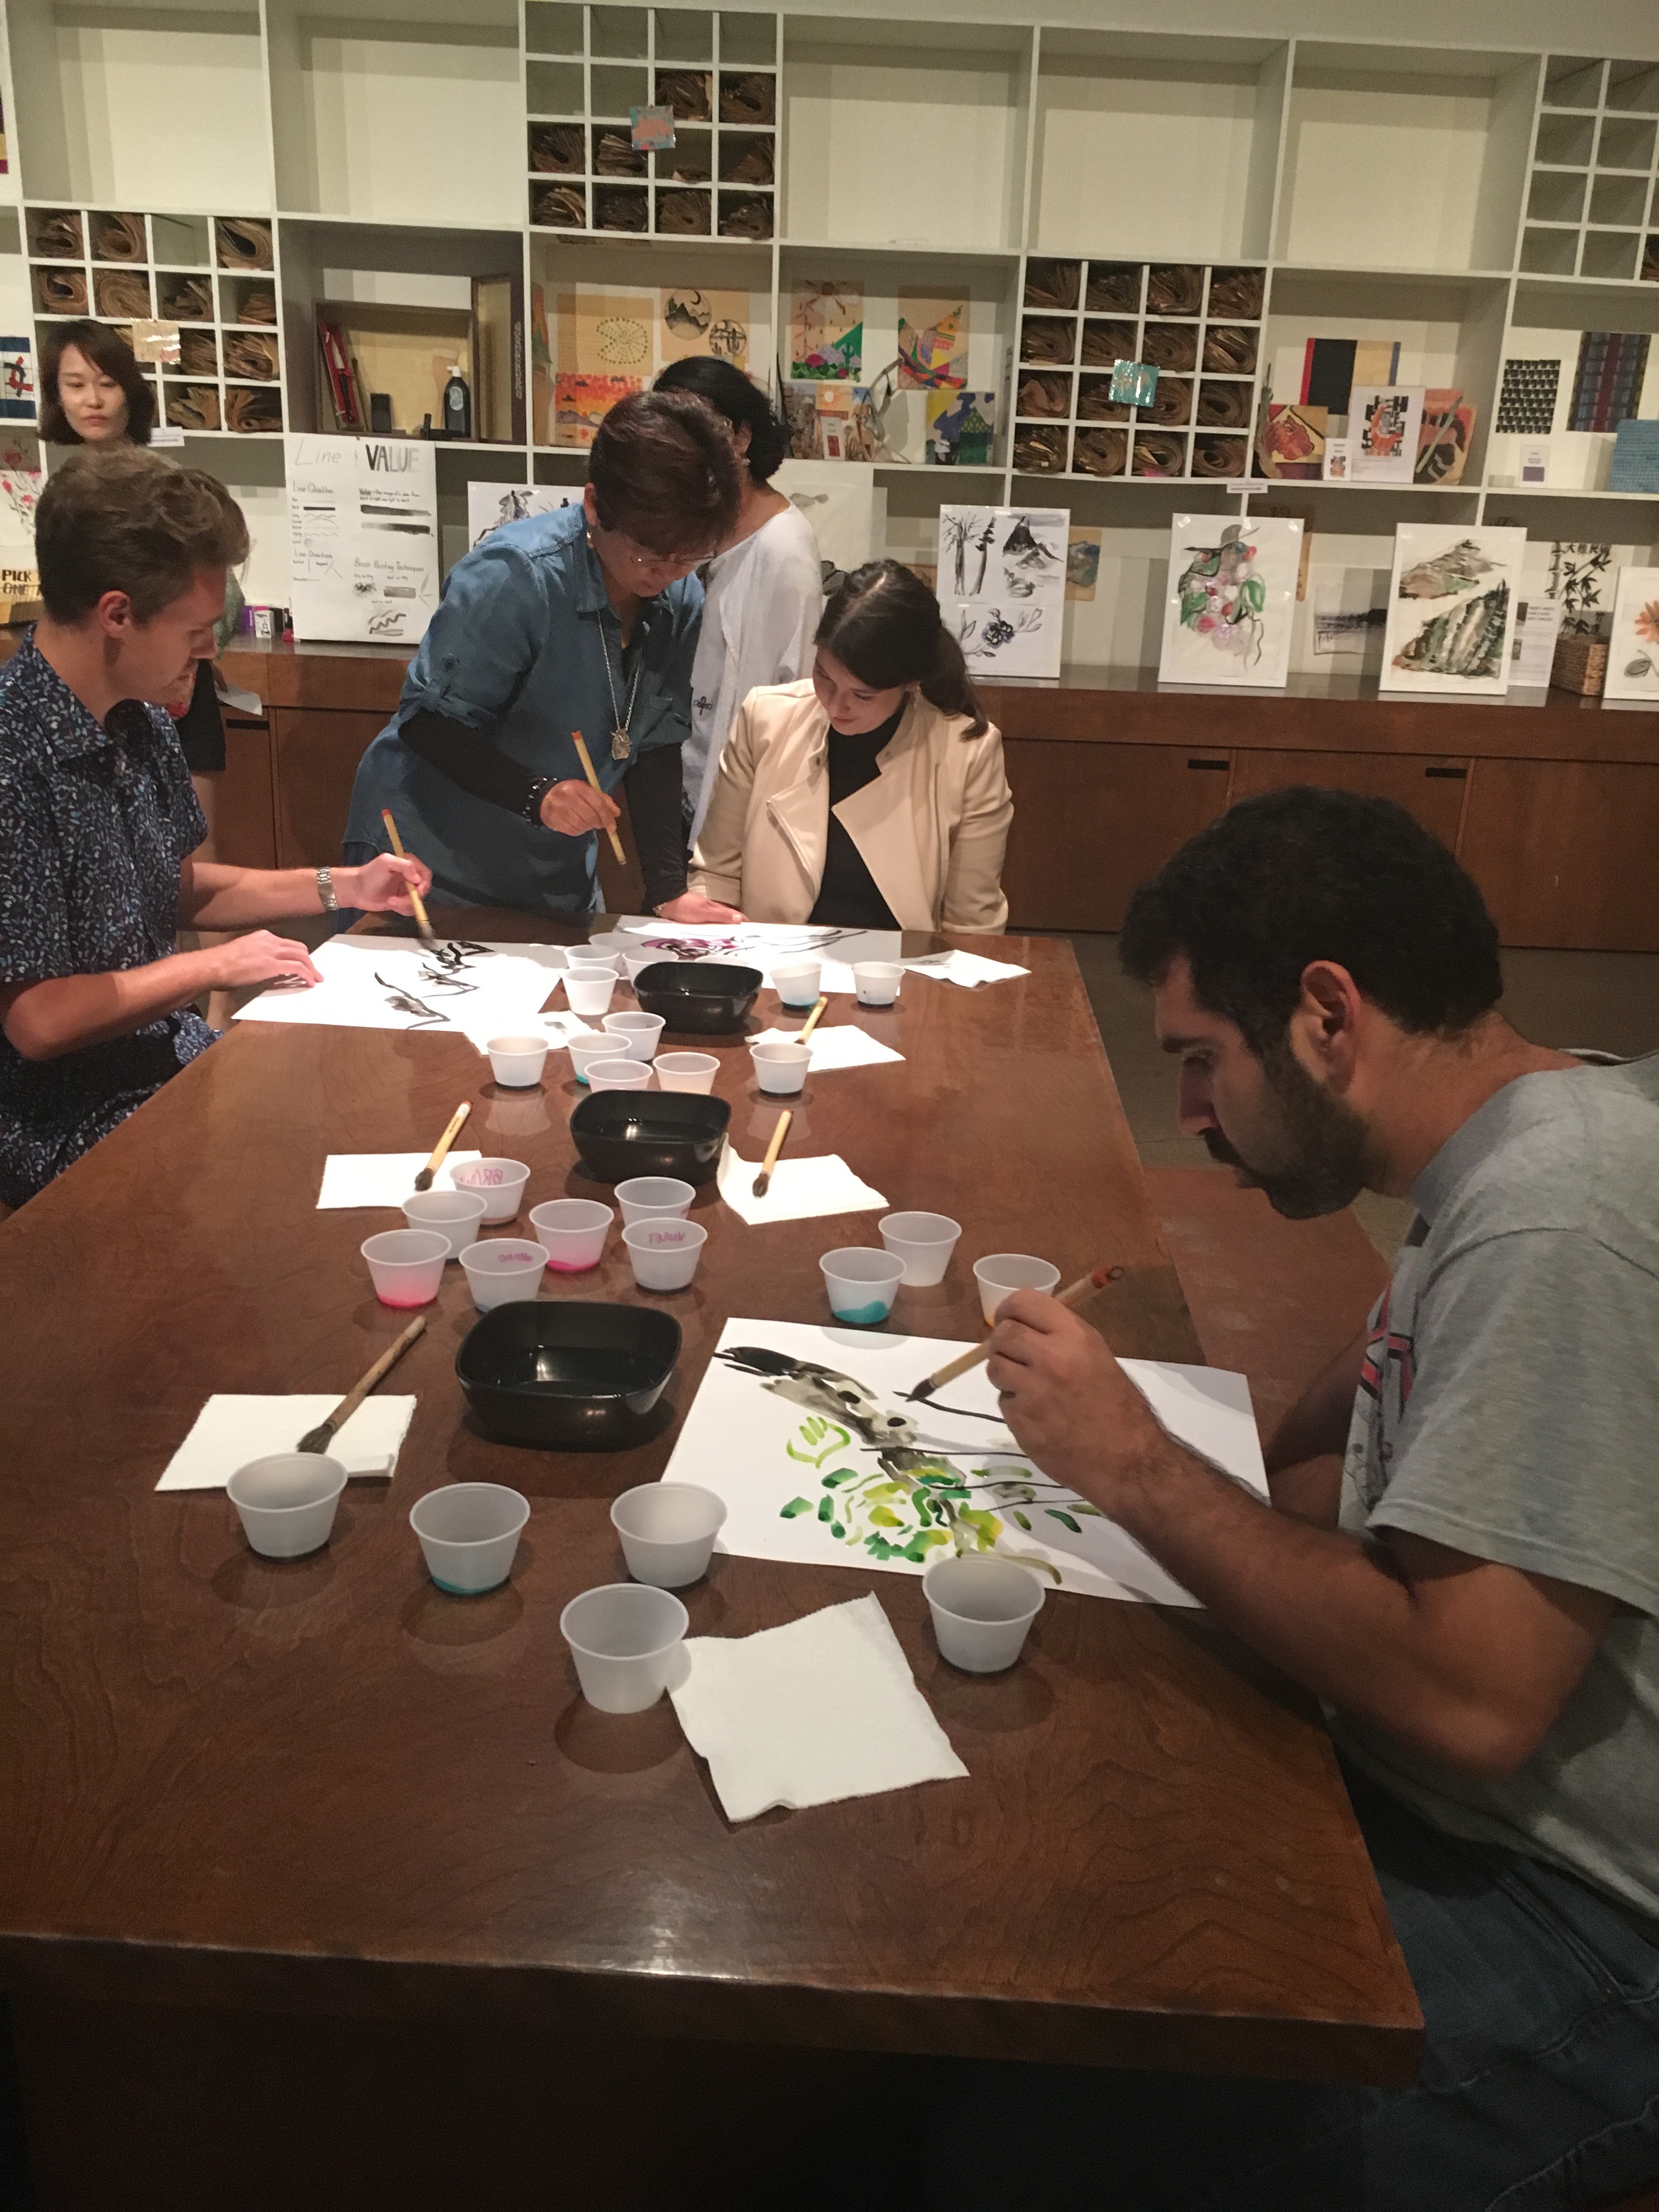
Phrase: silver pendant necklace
[621,743]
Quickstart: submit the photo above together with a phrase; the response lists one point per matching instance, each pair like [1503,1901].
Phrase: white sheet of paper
[844,1046]
[381,1178]
[770,944]
[770,1456]
[967,969]
[800,1190]
[821,1709]
[234,1428]
[511,990]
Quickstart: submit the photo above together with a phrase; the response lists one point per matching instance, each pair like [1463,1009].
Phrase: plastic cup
[589,994]
[624,1637]
[607,945]
[877,982]
[572,1231]
[664,1252]
[667,1530]
[589,959]
[1002,1271]
[589,1045]
[781,1068]
[653,1197]
[468,1532]
[635,963]
[500,1183]
[797,984]
[451,1214]
[287,1502]
[636,1034]
[618,1074]
[924,1242]
[686,1071]
[503,1270]
[862,1283]
[982,1610]
[406,1265]
[517,1061]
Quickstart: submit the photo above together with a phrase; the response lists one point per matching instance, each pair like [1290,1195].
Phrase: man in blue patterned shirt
[99,822]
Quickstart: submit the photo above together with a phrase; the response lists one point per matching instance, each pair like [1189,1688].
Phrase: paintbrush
[423,1181]
[415,898]
[1072,1295]
[812,1020]
[319,1438]
[592,776]
[763,1180]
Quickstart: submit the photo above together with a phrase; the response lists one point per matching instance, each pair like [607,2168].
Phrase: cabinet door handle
[1217,768]
[1448,774]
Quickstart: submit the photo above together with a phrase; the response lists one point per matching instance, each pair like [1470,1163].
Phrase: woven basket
[1580,665]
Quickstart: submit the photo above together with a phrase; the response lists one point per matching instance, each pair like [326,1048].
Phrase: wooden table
[322,1788]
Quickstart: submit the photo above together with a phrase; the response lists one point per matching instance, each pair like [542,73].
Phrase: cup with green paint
[861,1284]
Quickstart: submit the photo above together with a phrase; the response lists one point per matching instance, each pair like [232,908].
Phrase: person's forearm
[212,896]
[1320,1419]
[468,758]
[654,786]
[67,1013]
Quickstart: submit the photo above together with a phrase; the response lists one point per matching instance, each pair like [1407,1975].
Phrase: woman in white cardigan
[873,795]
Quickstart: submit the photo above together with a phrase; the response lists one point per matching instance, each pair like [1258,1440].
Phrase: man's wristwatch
[325,890]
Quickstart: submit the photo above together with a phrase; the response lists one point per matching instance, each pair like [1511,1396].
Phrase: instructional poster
[362,538]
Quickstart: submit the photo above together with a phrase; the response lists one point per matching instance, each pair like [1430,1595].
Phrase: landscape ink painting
[1002,585]
[811,1438]
[1230,601]
[1451,608]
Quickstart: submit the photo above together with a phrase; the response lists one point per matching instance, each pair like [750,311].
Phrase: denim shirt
[516,652]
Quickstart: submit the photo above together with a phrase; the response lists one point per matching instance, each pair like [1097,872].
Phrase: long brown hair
[105,348]
[883,624]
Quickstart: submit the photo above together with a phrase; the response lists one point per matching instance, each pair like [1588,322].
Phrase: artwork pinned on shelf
[933,342]
[491,506]
[1385,421]
[1633,643]
[695,323]
[1289,444]
[1581,574]
[1526,398]
[1082,564]
[1230,601]
[1444,438]
[581,404]
[961,428]
[1451,608]
[16,379]
[826,331]
[1002,585]
[606,333]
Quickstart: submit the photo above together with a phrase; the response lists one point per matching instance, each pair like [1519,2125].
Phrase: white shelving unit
[1470,203]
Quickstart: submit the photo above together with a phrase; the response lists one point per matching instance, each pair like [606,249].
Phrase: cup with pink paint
[406,1265]
[572,1231]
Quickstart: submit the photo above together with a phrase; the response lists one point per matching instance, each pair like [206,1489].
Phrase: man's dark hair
[105,348]
[118,519]
[665,473]
[741,400]
[1302,875]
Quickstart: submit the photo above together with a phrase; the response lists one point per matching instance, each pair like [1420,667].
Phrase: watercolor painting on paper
[1452,609]
[1633,649]
[826,331]
[933,342]
[581,404]
[1230,601]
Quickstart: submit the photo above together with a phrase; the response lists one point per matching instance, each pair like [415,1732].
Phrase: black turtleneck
[849,897]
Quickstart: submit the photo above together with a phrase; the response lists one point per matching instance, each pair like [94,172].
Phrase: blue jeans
[1539,2087]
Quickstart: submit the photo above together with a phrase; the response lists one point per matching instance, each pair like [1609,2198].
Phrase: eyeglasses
[642,560]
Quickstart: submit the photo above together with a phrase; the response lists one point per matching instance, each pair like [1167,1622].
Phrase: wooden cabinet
[1090,822]
[244,799]
[1430,791]
[1567,852]
[317,753]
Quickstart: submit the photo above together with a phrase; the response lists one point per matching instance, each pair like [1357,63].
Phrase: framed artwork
[1002,585]
[1230,600]
[1385,425]
[1452,609]
[1633,647]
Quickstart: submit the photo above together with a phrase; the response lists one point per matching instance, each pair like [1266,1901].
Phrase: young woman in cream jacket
[871,795]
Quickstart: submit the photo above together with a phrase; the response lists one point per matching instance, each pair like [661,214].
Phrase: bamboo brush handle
[415,898]
[440,1151]
[1073,1295]
[382,1367]
[592,776]
[812,1020]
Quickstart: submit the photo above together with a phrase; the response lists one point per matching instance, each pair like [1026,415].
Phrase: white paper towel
[800,1190]
[824,1708]
[844,1046]
[967,969]
[234,1428]
[382,1178]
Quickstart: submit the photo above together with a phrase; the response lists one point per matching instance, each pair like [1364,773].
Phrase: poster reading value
[362,538]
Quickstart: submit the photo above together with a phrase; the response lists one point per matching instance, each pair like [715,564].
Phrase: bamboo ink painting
[1230,602]
[811,1437]
[1451,608]
[1002,585]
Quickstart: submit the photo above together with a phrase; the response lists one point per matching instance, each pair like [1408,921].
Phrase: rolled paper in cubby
[1052,284]
[1171,345]
[1219,457]
[122,293]
[1044,338]
[185,299]
[1230,350]
[1172,402]
[746,216]
[258,304]
[618,207]
[198,353]
[1650,261]
[1158,454]
[1095,402]
[244,242]
[689,162]
[248,354]
[559,207]
[556,147]
[1044,395]
[1114,287]
[684,215]
[689,92]
[57,235]
[1236,292]
[1040,452]
[615,154]
[748,97]
[192,406]
[248,409]
[60,291]
[119,237]
[745,160]
[1224,406]
[1174,289]
[1100,452]
[1106,342]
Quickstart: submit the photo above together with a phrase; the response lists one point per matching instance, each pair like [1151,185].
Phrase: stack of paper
[234,1428]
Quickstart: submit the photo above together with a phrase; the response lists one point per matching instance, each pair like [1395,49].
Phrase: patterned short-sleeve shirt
[95,821]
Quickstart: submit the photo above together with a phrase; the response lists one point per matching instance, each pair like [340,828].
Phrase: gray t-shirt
[1509,1407]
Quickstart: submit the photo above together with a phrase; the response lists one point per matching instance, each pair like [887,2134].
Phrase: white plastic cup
[982,1610]
[406,1265]
[862,1283]
[588,1046]
[572,1231]
[287,1502]
[589,959]
[619,1074]
[468,1532]
[686,1071]
[797,982]
[503,1270]
[637,963]
[517,1061]
[877,982]
[781,1068]
[451,1214]
[636,1034]
[668,1530]
[653,1197]
[500,1183]
[589,994]
[605,946]
[998,1272]
[664,1252]
[924,1242]
[624,1637]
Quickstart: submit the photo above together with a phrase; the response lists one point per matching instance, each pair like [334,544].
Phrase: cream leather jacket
[931,827]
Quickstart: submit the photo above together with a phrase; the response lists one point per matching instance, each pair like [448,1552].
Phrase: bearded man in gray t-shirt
[1475,1595]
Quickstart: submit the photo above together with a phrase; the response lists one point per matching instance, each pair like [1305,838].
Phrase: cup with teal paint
[861,1284]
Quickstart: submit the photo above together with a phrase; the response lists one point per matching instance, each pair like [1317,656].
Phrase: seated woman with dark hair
[871,795]
[585,619]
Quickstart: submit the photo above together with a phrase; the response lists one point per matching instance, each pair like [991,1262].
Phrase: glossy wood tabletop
[323,1784]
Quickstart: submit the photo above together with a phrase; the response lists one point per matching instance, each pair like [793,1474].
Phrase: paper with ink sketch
[842,1469]
[1002,585]
[368,985]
